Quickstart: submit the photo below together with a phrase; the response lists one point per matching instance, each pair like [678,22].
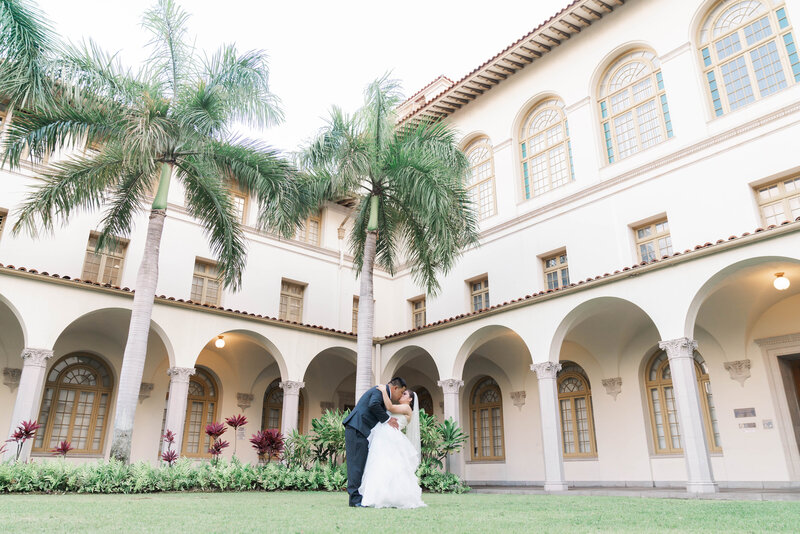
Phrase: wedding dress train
[390,475]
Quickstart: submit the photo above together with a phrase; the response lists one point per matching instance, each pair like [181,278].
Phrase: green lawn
[288,512]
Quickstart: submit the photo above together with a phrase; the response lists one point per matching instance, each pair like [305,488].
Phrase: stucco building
[637,177]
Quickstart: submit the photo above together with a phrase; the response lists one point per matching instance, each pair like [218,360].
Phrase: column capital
[681,347]
[546,369]
[291,387]
[180,374]
[450,385]
[36,357]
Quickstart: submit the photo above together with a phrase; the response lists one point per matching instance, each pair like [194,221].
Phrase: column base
[702,487]
[555,486]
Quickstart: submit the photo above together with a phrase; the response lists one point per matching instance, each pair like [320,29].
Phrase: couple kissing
[382,460]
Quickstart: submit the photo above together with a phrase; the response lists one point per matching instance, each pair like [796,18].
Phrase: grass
[288,512]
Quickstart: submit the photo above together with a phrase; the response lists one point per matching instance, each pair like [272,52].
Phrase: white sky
[323,52]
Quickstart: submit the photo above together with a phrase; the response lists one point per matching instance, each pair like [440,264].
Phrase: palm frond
[377,115]
[64,125]
[127,198]
[88,71]
[261,171]
[80,182]
[27,44]
[340,152]
[209,201]
[170,51]
[241,82]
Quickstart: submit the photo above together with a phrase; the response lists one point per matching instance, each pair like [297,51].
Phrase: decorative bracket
[739,370]
[613,386]
[145,390]
[518,398]
[244,400]
[11,377]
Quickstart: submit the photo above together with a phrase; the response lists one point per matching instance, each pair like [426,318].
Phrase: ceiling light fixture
[780,282]
[220,342]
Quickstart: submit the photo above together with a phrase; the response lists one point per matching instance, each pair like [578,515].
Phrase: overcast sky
[323,52]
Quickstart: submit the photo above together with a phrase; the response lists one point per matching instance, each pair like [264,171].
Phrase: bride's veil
[412,431]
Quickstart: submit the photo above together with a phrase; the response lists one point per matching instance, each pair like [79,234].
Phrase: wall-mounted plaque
[744,412]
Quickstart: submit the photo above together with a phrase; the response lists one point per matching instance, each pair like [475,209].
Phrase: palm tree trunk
[366,318]
[130,377]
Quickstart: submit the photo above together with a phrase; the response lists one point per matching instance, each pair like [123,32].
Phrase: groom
[368,412]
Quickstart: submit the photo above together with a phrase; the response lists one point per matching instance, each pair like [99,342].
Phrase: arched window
[75,405]
[664,412]
[747,51]
[633,105]
[272,415]
[425,400]
[486,406]
[577,419]
[201,409]
[545,148]
[481,177]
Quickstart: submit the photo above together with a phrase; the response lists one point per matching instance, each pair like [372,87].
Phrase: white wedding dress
[390,475]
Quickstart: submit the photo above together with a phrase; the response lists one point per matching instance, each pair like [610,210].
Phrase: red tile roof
[531,297]
[164,298]
[590,280]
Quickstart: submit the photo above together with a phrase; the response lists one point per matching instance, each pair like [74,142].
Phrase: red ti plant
[25,431]
[214,431]
[63,448]
[216,449]
[169,455]
[235,421]
[268,444]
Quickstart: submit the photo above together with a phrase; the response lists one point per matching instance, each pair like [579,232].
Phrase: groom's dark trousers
[368,412]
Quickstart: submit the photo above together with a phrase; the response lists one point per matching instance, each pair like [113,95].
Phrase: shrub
[184,475]
[329,435]
[298,450]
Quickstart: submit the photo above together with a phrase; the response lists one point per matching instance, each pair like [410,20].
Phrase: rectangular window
[737,83]
[291,301]
[104,266]
[653,240]
[779,201]
[556,271]
[418,319]
[355,315]
[3,214]
[311,230]
[205,283]
[239,206]
[479,293]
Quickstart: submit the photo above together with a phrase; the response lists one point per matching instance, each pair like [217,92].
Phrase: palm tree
[27,45]
[413,204]
[172,118]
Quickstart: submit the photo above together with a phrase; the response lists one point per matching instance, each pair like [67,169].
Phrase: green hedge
[59,476]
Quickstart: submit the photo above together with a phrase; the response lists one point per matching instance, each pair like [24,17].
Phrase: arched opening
[75,405]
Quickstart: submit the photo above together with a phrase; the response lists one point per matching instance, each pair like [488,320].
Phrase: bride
[390,478]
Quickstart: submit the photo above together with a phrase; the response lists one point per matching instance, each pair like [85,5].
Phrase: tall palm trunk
[366,318]
[130,377]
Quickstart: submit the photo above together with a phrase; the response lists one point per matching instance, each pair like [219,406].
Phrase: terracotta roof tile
[598,277]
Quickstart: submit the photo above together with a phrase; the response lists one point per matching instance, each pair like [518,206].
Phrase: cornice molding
[788,339]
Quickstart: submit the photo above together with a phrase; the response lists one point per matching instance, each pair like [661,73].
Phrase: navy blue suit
[369,411]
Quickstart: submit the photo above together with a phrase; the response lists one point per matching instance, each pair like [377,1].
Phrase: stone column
[551,428]
[176,405]
[700,478]
[452,410]
[291,403]
[29,395]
